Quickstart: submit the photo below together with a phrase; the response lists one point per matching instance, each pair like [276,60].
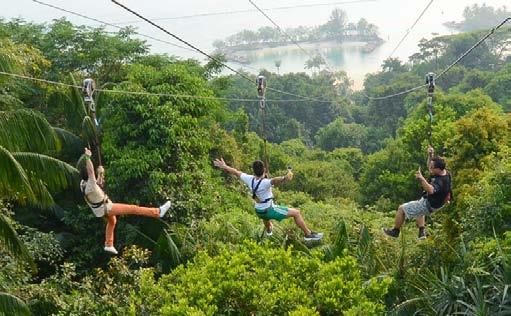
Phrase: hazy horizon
[202,31]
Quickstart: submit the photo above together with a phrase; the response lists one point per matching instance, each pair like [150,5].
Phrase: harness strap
[254,190]
[94,204]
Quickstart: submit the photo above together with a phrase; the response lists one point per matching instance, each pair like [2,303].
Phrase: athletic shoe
[111,249]
[313,236]
[164,208]
[394,233]
[422,234]
[269,232]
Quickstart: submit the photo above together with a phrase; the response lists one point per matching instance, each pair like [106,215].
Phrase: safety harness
[95,205]
[254,190]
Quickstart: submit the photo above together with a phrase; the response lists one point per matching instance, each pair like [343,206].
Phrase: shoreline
[239,53]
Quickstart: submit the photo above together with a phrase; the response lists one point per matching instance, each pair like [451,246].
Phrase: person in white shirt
[102,206]
[265,207]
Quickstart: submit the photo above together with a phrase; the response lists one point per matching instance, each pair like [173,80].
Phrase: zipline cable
[448,67]
[310,5]
[209,56]
[184,96]
[411,28]
[120,28]
[474,46]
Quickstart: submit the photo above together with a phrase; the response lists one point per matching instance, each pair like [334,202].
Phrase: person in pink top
[91,186]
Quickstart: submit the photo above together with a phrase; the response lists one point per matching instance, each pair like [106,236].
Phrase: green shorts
[276,212]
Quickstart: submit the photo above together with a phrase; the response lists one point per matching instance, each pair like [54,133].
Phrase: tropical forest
[168,128]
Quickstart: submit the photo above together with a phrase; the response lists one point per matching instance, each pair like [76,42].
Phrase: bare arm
[220,163]
[89,164]
[431,154]
[279,180]
[424,183]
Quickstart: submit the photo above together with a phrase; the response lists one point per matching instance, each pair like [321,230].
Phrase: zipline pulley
[88,91]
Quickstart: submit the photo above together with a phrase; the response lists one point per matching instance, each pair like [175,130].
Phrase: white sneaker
[164,208]
[269,232]
[111,249]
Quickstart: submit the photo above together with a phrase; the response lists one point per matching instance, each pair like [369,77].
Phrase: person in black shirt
[437,192]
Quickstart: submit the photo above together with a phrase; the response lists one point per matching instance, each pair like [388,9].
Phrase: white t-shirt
[263,191]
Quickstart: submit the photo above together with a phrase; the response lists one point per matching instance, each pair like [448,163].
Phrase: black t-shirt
[441,188]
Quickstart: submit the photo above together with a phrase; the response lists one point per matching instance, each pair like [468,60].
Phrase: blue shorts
[415,209]
[276,212]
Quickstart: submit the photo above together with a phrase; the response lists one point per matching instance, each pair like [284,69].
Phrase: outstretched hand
[219,163]
[431,151]
[418,174]
[289,175]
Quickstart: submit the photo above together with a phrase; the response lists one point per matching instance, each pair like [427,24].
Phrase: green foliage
[25,130]
[478,135]
[323,179]
[338,134]
[389,174]
[239,281]
[499,86]
[11,305]
[10,241]
[287,120]
[158,146]
[487,204]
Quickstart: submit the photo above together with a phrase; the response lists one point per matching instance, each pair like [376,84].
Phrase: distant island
[477,17]
[337,29]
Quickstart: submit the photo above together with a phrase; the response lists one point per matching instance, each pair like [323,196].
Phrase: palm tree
[278,63]
[28,170]
[315,62]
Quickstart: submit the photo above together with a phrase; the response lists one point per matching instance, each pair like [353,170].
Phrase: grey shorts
[417,208]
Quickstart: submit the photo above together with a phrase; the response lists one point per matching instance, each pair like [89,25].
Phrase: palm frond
[11,305]
[14,182]
[25,130]
[76,109]
[167,252]
[72,145]
[89,132]
[11,242]
[55,174]
[7,63]
[99,96]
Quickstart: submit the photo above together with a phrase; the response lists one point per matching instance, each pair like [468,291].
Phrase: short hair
[438,163]
[258,167]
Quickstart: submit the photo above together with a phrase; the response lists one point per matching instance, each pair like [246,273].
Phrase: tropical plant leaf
[14,182]
[11,242]
[89,132]
[167,252]
[11,305]
[72,145]
[75,109]
[55,174]
[25,130]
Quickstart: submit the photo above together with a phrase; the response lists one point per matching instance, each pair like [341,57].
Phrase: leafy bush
[252,278]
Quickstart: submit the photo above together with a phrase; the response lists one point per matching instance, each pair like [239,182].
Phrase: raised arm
[279,180]
[89,164]
[431,154]
[220,163]
[424,183]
